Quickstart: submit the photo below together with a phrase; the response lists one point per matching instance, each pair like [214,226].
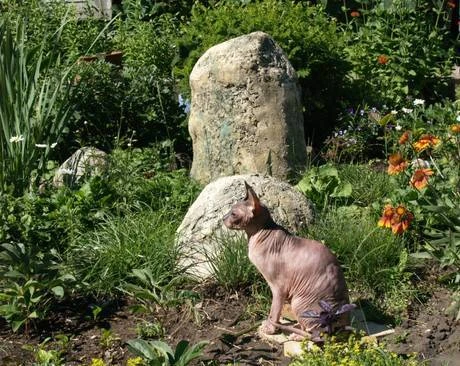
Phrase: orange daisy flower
[420,178]
[397,164]
[404,138]
[401,220]
[426,141]
[355,14]
[383,59]
[385,220]
[455,128]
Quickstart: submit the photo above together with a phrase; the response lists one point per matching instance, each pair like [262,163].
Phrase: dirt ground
[219,318]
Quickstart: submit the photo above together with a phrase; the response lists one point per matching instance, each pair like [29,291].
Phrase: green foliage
[306,34]
[44,356]
[160,353]
[33,108]
[134,105]
[150,330]
[229,262]
[354,351]
[374,261]
[399,49]
[369,183]
[322,183]
[43,18]
[428,177]
[30,281]
[153,291]
[104,258]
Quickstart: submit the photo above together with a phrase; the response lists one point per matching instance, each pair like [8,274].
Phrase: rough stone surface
[86,161]
[203,222]
[246,114]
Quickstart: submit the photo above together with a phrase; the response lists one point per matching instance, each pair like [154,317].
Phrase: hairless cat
[300,271]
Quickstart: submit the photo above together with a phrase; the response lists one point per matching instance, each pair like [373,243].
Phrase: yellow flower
[426,141]
[385,220]
[138,361]
[97,362]
[455,128]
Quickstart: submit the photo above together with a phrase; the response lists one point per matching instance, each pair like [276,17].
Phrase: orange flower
[398,219]
[397,164]
[404,138]
[385,220]
[420,178]
[401,220]
[451,4]
[355,14]
[426,141]
[455,128]
[383,59]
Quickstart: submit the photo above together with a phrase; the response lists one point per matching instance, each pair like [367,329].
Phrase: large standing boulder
[202,226]
[246,113]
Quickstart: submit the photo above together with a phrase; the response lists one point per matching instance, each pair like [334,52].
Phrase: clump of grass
[369,184]
[229,262]
[104,258]
[374,260]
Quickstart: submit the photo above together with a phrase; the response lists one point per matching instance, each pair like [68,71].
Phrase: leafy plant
[384,44]
[44,356]
[33,108]
[31,280]
[160,353]
[322,183]
[150,329]
[352,351]
[152,291]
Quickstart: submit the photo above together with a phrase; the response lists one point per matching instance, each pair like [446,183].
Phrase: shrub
[131,106]
[309,38]
[398,50]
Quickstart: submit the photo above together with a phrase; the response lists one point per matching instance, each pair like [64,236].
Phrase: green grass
[104,258]
[369,184]
[374,260]
[230,265]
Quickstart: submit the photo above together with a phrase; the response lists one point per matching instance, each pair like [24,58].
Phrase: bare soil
[222,319]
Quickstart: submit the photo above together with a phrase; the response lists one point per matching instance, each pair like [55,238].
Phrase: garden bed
[216,318]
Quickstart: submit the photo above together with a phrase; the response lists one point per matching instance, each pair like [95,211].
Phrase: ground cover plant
[90,274]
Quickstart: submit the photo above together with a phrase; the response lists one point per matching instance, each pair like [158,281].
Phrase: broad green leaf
[344,189]
[58,291]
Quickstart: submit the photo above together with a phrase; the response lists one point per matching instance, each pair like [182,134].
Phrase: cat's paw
[267,327]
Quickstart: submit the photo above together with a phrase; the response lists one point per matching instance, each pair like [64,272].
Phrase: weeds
[104,259]
[229,262]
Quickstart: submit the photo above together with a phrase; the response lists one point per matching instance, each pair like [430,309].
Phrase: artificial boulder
[202,226]
[85,162]
[246,113]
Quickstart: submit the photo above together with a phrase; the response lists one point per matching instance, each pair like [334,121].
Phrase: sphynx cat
[300,271]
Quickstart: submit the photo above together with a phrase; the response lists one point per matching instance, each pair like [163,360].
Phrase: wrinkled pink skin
[300,271]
